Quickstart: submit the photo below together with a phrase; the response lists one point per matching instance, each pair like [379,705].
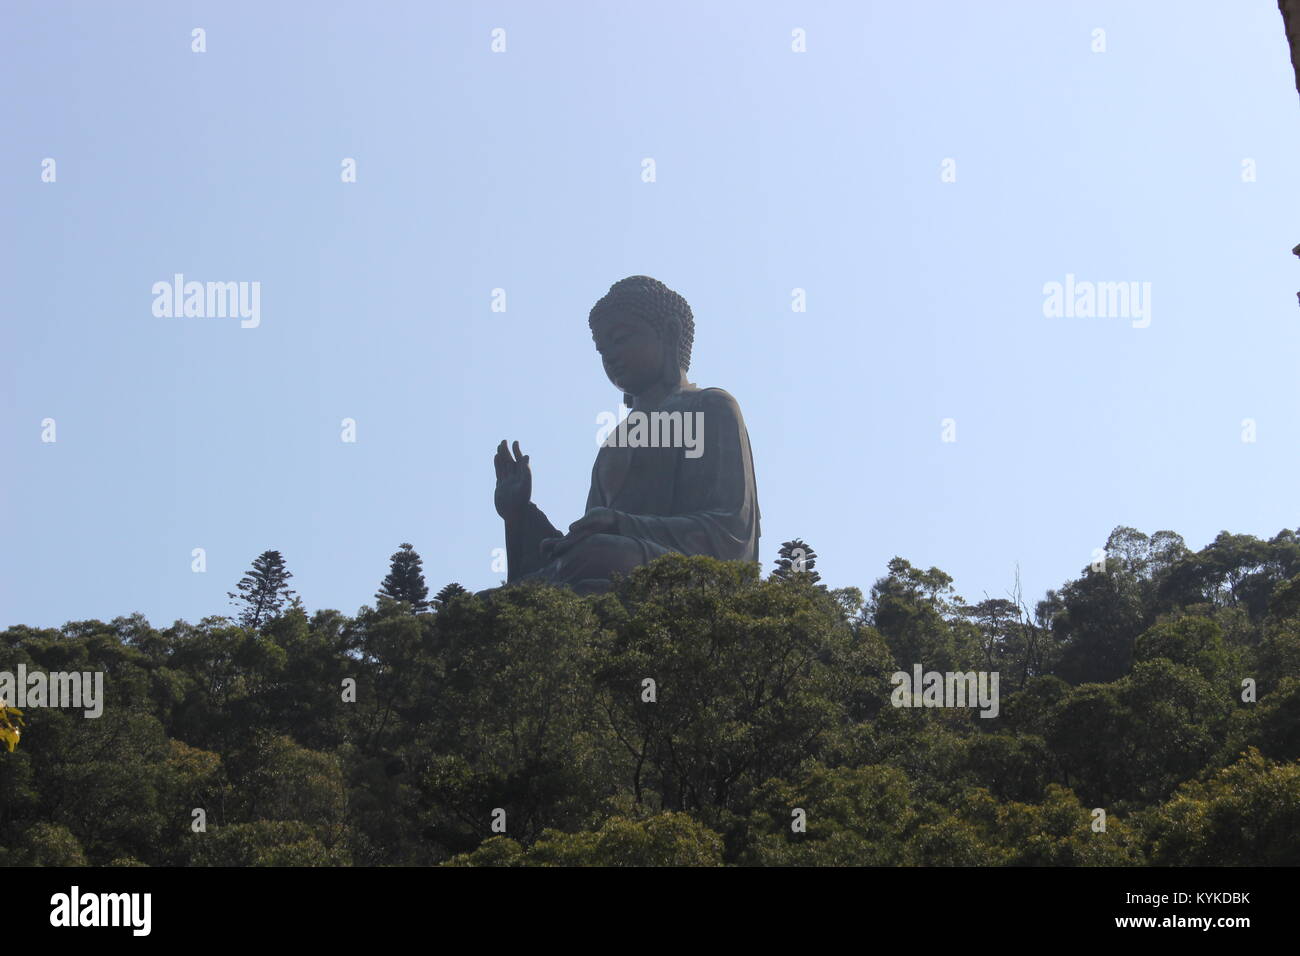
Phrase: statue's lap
[589,564]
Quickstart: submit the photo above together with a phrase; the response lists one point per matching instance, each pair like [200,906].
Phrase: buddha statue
[675,476]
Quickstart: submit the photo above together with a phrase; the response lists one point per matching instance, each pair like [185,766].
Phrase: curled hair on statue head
[657,304]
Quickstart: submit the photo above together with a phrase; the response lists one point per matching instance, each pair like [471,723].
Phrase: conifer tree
[796,557]
[405,581]
[263,591]
[447,594]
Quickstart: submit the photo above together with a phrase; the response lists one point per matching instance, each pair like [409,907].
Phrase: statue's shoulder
[718,399]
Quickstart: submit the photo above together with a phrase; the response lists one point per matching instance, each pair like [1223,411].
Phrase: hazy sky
[523,170]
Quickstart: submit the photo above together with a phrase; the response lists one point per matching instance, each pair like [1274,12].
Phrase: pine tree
[405,581]
[263,591]
[447,594]
[796,557]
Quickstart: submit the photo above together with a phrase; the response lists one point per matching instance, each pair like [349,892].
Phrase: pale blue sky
[522,170]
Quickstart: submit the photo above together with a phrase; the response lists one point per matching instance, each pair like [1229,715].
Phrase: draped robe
[664,501]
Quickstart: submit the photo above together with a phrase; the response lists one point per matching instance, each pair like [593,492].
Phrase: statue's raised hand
[514,482]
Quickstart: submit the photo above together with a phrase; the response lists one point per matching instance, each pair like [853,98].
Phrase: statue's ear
[671,335]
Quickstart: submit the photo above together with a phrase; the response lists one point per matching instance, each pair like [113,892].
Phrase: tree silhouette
[263,591]
[680,718]
[405,580]
[445,596]
[796,557]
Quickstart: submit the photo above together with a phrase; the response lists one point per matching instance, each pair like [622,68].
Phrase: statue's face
[631,350]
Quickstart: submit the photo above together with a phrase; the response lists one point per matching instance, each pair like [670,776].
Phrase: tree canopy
[698,714]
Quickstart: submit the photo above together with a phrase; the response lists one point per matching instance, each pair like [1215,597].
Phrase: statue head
[644,332]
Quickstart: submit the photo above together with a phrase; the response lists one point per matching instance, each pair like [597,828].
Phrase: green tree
[665,839]
[1058,831]
[861,816]
[1137,738]
[1096,620]
[714,680]
[796,557]
[922,620]
[512,720]
[448,594]
[1194,641]
[49,844]
[263,591]
[263,843]
[405,580]
[1247,814]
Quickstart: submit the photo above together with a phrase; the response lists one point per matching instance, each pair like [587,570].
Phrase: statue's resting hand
[596,521]
[514,482]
